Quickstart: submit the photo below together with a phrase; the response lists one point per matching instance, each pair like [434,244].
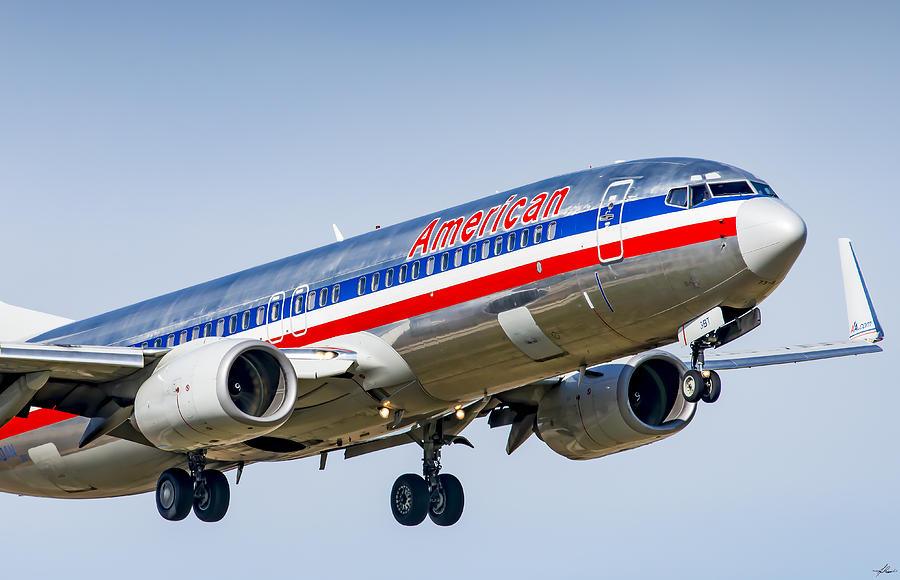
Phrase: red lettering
[509,223]
[533,213]
[468,231]
[423,239]
[487,218]
[445,231]
[499,215]
[559,196]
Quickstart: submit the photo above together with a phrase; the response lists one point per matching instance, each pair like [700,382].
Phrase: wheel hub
[167,494]
[403,500]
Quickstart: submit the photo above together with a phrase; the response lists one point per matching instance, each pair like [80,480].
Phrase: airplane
[886,569]
[542,308]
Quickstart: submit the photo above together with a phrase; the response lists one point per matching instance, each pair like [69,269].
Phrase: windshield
[764,189]
[731,188]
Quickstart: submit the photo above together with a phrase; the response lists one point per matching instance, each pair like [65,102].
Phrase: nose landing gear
[437,495]
[206,490]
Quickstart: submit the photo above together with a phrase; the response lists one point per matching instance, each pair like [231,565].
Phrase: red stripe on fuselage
[35,420]
[512,278]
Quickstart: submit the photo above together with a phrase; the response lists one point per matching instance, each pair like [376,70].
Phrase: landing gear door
[609,221]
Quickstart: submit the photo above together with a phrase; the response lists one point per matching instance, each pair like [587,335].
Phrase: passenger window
[699,194]
[375,279]
[260,315]
[145,344]
[498,245]
[457,258]
[220,327]
[311,300]
[677,196]
[157,343]
[485,249]
[298,303]
[170,340]
[401,275]
[335,293]
[389,278]
[730,188]
[232,324]
[274,311]
[183,337]
[473,253]
[245,320]
[538,232]
[525,237]
[361,286]
[445,261]
[195,333]
[323,296]
[429,266]
[551,231]
[511,242]
[415,269]
[207,329]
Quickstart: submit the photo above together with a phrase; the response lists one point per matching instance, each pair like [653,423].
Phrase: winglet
[863,322]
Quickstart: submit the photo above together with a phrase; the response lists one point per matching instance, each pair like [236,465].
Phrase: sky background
[145,147]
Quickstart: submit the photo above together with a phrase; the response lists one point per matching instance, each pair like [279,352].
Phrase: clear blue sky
[148,146]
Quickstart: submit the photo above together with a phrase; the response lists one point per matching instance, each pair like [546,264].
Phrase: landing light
[325,354]
[460,414]
[384,412]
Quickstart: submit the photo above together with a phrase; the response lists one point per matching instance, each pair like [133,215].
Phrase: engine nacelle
[215,392]
[615,407]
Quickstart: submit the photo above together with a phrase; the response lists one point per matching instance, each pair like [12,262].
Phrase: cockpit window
[731,188]
[763,189]
[677,196]
[699,194]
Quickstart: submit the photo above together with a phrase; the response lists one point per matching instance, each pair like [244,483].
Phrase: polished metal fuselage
[595,312]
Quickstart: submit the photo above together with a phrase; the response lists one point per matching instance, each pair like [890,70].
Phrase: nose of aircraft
[770,236]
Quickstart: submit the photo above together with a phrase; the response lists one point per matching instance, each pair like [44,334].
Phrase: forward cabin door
[609,221]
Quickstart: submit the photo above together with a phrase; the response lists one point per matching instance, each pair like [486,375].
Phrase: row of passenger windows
[330,295]
[700,192]
[509,241]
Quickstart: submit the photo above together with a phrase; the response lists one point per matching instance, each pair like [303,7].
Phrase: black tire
[450,500]
[713,388]
[174,494]
[211,505]
[692,386]
[410,499]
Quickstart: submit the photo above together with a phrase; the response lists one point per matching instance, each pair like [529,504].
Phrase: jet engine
[615,407]
[215,392]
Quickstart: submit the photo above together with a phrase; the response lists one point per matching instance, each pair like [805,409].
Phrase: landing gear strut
[435,494]
[697,383]
[204,489]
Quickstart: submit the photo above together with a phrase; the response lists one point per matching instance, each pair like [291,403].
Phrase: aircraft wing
[94,364]
[87,380]
[865,330]
[786,354]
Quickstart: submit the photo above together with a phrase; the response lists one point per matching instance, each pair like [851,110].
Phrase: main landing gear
[437,495]
[206,490]
[699,384]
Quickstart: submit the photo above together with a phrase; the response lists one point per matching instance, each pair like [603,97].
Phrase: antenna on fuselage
[337,233]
